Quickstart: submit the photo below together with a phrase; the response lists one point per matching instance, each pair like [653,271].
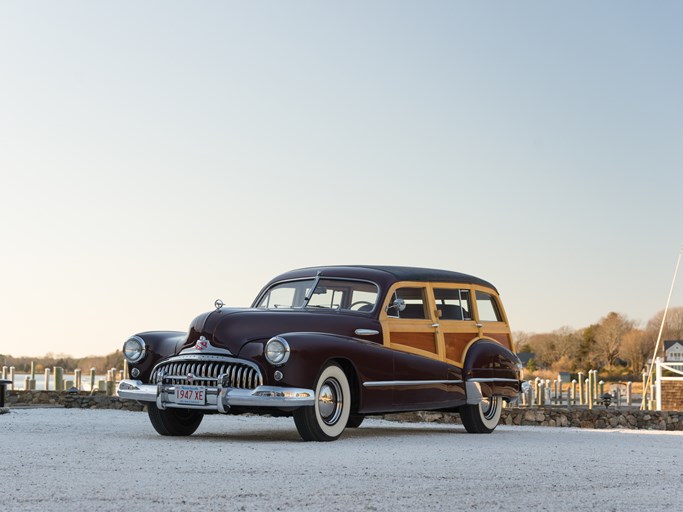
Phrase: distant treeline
[100,363]
[615,345]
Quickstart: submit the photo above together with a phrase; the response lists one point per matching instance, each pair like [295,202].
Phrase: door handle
[366,332]
[479,325]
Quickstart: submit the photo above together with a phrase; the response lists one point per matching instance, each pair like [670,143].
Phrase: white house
[674,350]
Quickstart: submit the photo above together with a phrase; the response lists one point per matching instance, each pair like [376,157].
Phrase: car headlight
[277,351]
[134,349]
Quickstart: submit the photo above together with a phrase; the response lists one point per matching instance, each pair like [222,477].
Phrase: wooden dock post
[32,384]
[111,382]
[58,378]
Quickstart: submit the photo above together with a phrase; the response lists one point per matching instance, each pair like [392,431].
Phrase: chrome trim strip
[390,383]
[493,380]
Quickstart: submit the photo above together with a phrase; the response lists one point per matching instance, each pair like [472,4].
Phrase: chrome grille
[205,371]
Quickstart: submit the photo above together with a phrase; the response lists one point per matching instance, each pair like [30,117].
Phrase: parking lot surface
[113,460]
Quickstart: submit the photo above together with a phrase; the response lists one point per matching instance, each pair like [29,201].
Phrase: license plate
[190,395]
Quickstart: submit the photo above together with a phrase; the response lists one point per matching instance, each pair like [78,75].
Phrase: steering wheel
[360,303]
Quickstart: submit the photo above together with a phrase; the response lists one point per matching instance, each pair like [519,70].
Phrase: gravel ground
[113,460]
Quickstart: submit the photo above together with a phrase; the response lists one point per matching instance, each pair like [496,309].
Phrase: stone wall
[82,400]
[598,418]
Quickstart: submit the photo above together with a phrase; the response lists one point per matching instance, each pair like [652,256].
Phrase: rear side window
[488,308]
[453,304]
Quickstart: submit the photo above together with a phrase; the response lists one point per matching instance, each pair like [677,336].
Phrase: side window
[414,301]
[488,308]
[453,304]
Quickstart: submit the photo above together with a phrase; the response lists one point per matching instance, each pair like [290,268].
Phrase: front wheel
[355,420]
[483,417]
[326,420]
[174,422]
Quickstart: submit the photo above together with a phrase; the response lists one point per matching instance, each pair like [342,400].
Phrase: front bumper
[218,398]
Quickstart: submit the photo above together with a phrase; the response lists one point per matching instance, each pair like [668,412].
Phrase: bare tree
[673,328]
[636,347]
[521,341]
[558,349]
[608,337]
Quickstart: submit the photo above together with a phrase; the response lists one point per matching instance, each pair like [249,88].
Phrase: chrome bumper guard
[217,398]
[474,394]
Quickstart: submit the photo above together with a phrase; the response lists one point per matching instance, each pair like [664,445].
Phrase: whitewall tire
[327,419]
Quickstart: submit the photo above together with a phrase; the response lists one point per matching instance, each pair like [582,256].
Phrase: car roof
[386,274]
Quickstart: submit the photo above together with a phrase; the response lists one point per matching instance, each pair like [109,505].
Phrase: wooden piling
[58,378]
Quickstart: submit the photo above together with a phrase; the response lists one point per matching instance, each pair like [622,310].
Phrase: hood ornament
[218,304]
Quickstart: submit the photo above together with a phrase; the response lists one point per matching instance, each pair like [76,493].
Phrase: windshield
[337,294]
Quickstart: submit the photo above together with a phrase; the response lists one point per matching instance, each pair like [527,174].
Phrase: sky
[155,156]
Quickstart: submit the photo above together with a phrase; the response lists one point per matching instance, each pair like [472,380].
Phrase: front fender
[311,351]
[158,345]
[493,369]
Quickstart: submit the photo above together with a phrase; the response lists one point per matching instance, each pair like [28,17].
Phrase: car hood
[232,328]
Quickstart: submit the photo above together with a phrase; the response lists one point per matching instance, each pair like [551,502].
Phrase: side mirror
[398,304]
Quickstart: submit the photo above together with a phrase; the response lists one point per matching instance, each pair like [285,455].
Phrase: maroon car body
[329,345]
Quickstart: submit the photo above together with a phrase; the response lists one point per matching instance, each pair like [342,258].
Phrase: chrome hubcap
[489,407]
[330,401]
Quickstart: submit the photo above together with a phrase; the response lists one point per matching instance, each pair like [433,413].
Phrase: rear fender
[491,369]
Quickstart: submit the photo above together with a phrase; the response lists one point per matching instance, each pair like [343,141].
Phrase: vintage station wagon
[330,345]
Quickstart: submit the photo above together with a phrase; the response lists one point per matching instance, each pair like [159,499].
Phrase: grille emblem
[190,378]
[201,344]
[204,346]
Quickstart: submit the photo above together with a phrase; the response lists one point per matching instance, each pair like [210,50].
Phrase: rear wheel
[326,420]
[174,422]
[483,417]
